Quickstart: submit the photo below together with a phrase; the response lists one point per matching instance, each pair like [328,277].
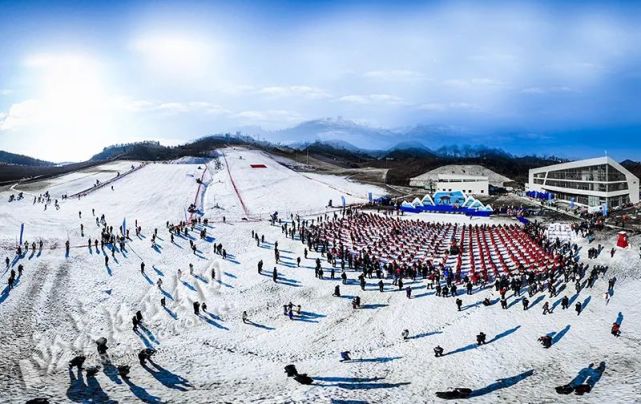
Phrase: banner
[21,232]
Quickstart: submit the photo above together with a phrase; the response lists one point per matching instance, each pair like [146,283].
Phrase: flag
[343,200]
[572,203]
[21,232]
[124,226]
[605,209]
[369,197]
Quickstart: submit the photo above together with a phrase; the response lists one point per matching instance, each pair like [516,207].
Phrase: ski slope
[78,181]
[62,304]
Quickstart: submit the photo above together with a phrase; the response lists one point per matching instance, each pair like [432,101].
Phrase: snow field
[61,304]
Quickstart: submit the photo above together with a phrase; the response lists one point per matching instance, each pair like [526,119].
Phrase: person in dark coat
[145,355]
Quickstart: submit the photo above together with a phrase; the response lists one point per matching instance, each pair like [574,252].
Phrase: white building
[468,184]
[429,180]
[589,183]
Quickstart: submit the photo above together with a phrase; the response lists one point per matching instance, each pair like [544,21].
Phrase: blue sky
[558,78]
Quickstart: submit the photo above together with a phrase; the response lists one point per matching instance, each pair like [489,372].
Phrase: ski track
[62,304]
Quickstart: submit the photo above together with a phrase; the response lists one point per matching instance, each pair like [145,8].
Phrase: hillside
[19,159]
[633,166]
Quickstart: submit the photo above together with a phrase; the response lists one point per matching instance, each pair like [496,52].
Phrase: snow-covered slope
[61,304]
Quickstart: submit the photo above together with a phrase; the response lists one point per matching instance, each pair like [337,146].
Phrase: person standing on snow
[546,308]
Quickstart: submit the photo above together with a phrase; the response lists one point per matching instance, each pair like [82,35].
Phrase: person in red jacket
[616,329]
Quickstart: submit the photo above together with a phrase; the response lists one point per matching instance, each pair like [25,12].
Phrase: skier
[408,292]
[163,302]
[459,303]
[546,308]
[275,275]
[142,267]
[480,339]
[526,303]
[380,285]
[405,334]
[197,308]
[337,291]
[134,321]
[578,308]
[345,356]
[438,351]
[245,319]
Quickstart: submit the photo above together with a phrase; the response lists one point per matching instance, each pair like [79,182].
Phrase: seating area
[475,250]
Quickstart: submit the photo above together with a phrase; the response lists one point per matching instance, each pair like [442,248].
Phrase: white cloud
[5,91]
[372,99]
[473,82]
[546,90]
[171,107]
[446,106]
[20,115]
[268,116]
[294,91]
